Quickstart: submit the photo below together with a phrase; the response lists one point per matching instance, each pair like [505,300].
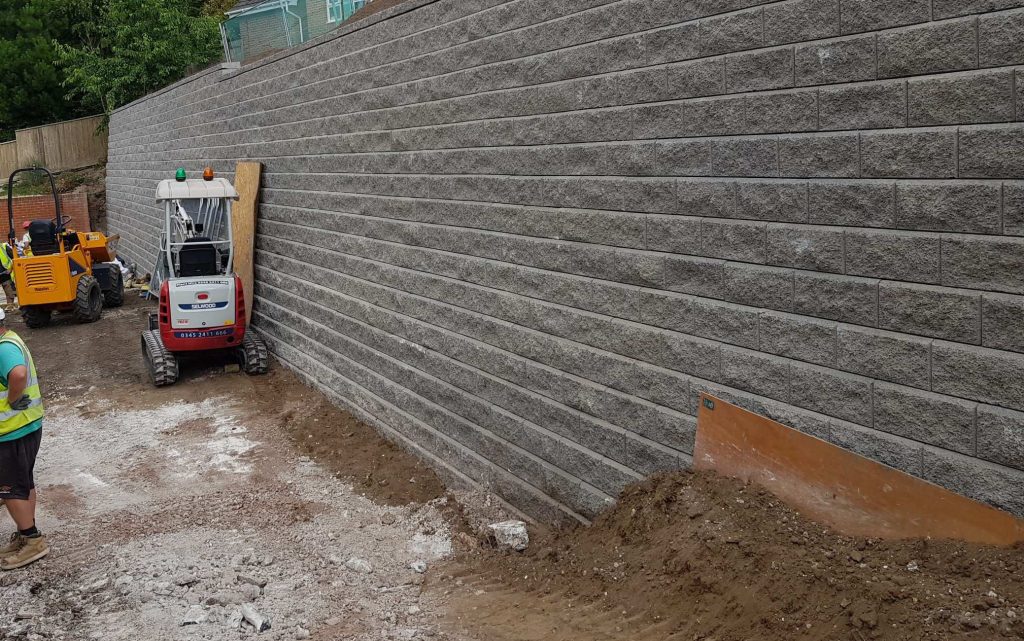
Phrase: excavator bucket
[852,494]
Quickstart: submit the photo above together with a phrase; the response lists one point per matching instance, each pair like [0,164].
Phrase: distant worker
[25,244]
[21,432]
[7,255]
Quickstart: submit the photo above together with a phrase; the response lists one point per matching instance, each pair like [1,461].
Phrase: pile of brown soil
[355,451]
[699,557]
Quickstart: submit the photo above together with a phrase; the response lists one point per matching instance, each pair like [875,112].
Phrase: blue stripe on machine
[193,306]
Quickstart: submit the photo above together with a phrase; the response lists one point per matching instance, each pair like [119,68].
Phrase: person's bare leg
[23,511]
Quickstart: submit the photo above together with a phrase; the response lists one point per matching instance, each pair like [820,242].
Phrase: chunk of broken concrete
[254,618]
[194,616]
[359,565]
[511,534]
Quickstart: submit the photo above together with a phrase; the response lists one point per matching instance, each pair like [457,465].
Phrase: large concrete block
[759,70]
[782,111]
[799,337]
[973,97]
[1000,37]
[836,61]
[702,317]
[924,153]
[745,157]
[874,105]
[1013,208]
[983,262]
[732,32]
[675,234]
[1002,321]
[820,155]
[955,206]
[987,375]
[994,151]
[939,312]
[894,255]
[691,275]
[888,356]
[872,15]
[994,484]
[954,8]
[755,372]
[733,240]
[784,201]
[893,451]
[713,198]
[806,247]
[758,286]
[832,393]
[800,20]
[922,416]
[858,203]
[931,48]
[1001,436]
[842,298]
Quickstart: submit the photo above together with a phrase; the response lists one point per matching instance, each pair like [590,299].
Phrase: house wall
[523,236]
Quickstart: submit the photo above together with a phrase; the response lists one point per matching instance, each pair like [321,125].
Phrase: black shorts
[17,463]
[5,277]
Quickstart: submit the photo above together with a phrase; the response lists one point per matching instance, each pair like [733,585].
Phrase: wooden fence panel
[71,144]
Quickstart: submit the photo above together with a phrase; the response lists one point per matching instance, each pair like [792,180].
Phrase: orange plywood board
[852,494]
[243,226]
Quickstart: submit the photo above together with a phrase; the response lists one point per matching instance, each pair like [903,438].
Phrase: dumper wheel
[89,300]
[161,363]
[35,317]
[253,355]
[114,297]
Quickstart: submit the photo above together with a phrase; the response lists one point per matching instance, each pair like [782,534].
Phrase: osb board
[852,494]
[243,225]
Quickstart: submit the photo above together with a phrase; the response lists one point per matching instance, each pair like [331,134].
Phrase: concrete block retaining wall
[523,235]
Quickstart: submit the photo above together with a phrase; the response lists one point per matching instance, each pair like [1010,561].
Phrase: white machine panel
[202,302]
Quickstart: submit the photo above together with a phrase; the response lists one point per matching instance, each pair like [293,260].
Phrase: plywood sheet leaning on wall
[243,225]
[848,492]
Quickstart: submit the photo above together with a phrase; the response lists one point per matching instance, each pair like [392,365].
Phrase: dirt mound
[698,557]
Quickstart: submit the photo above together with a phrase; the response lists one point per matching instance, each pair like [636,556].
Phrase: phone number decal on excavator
[205,334]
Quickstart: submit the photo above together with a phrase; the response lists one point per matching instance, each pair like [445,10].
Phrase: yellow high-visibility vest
[10,418]
[6,258]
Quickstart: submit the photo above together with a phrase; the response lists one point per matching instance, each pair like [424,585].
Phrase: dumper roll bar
[10,201]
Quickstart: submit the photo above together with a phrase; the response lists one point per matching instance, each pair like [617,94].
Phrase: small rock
[388,518]
[251,591]
[194,616]
[301,633]
[856,556]
[913,566]
[694,511]
[511,534]
[333,621]
[232,368]
[28,612]
[359,565]
[237,560]
[267,561]
[251,580]
[95,586]
[413,610]
[419,567]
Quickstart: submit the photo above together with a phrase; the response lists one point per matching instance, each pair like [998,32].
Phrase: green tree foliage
[128,48]
[31,86]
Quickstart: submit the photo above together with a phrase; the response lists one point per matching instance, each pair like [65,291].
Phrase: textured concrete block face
[909,154]
[871,15]
[876,105]
[958,207]
[835,61]
[933,48]
[930,311]
[922,416]
[961,98]
[525,240]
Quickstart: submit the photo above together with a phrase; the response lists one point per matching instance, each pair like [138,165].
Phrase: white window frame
[340,4]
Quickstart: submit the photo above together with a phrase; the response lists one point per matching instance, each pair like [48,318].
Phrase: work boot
[13,545]
[31,550]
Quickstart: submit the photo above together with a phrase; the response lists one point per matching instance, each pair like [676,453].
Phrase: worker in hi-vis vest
[21,431]
[7,254]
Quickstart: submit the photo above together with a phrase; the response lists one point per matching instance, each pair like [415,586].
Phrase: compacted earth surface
[173,512]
